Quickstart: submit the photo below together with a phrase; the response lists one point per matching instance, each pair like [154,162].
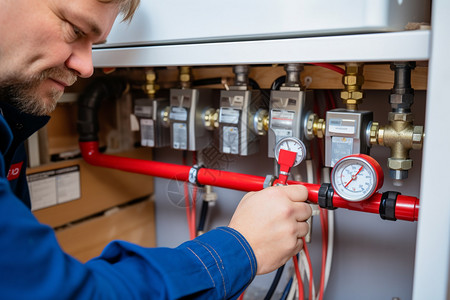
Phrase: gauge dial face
[291,144]
[356,177]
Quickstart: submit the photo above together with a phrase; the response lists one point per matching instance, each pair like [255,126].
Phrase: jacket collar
[21,125]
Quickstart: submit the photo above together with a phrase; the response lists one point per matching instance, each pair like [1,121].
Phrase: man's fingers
[298,246]
[303,229]
[297,192]
[249,194]
[303,211]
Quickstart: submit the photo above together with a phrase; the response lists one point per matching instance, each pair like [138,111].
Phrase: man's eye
[77,31]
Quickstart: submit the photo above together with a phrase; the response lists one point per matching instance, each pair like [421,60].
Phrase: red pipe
[231,180]
[407,207]
[90,153]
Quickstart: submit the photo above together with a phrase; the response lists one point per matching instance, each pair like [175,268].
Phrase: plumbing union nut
[353,68]
[319,128]
[211,119]
[408,117]
[261,122]
[150,76]
[417,137]
[353,77]
[400,164]
[352,95]
[401,100]
[353,80]
[309,132]
[373,133]
[185,75]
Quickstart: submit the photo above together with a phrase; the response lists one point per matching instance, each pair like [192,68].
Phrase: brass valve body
[266,123]
[150,86]
[353,80]
[400,135]
[185,77]
[315,127]
[261,122]
[319,128]
[211,119]
[166,117]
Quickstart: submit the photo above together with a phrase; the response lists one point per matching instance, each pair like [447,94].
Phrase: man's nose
[80,61]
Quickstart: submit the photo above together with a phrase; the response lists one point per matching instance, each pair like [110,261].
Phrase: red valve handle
[286,160]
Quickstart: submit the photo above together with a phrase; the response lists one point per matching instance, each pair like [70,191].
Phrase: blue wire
[286,289]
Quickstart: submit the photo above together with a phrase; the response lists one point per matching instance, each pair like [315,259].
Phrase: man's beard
[23,95]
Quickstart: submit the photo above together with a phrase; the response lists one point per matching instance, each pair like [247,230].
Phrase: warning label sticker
[54,186]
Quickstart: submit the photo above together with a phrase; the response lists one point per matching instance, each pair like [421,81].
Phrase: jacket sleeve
[216,265]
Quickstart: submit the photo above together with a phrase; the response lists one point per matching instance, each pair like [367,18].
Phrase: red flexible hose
[331,98]
[330,67]
[190,211]
[241,297]
[194,211]
[301,293]
[194,200]
[324,225]
[311,277]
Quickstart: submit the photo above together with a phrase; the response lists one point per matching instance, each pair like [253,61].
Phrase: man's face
[46,45]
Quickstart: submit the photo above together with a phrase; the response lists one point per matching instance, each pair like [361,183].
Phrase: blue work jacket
[217,265]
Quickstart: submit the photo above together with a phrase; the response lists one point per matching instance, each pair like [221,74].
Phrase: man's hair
[126,7]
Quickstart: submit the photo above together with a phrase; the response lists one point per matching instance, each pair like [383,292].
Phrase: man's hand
[273,222]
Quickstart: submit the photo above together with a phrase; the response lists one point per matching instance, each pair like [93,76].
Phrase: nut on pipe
[165,116]
[373,133]
[266,123]
[353,80]
[211,119]
[150,86]
[185,77]
[293,71]
[315,127]
[261,122]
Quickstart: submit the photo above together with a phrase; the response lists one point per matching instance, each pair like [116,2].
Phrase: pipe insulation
[102,88]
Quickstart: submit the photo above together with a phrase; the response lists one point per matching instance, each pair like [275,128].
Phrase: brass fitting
[400,135]
[319,128]
[353,80]
[418,137]
[261,122]
[185,77]
[373,133]
[400,164]
[150,86]
[211,119]
[315,127]
[166,117]
[266,123]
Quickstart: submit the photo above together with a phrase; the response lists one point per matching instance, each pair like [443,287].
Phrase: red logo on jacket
[14,171]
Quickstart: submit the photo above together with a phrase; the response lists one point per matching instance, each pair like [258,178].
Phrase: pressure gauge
[291,144]
[357,177]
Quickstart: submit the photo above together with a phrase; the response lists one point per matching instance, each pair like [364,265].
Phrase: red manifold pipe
[407,207]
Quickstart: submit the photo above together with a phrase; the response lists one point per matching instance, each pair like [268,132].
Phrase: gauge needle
[354,176]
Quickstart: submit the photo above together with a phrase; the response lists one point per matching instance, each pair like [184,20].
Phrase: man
[45,46]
